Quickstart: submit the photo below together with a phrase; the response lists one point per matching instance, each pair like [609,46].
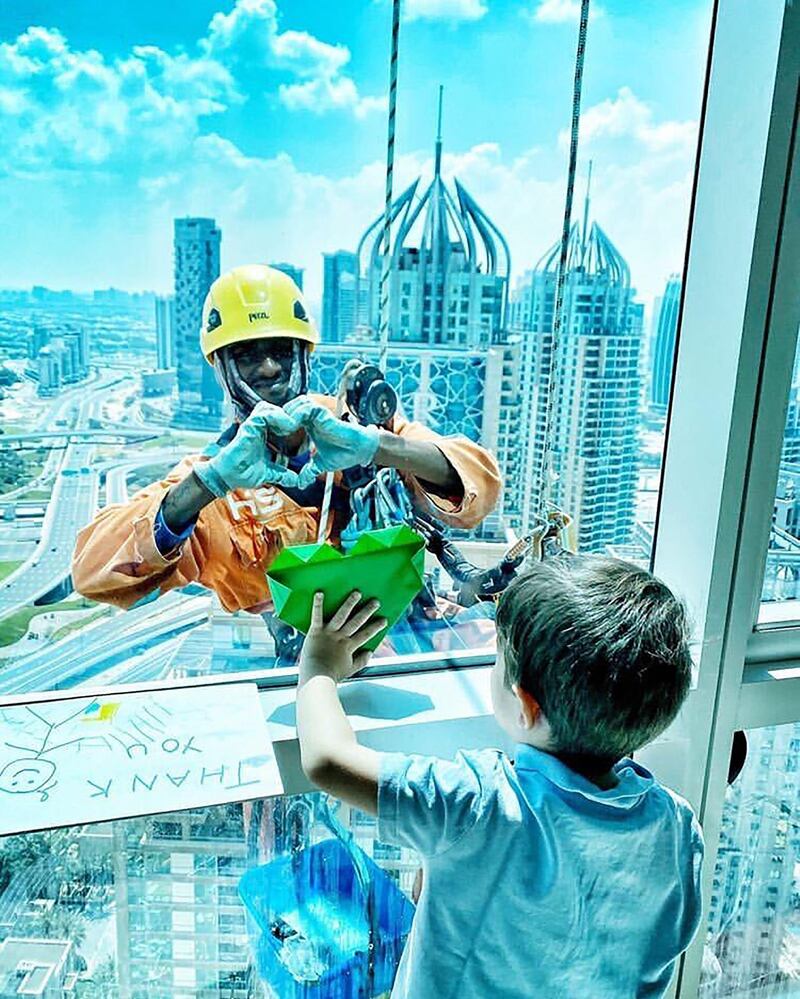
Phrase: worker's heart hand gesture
[246,462]
[338,444]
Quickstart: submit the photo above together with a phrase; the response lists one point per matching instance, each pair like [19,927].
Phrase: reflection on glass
[271,899]
[753,947]
[782,573]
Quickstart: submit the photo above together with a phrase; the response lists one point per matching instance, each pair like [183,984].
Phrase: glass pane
[233,901]
[170,183]
[781,589]
[753,947]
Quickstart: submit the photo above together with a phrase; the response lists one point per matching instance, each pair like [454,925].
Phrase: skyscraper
[39,338]
[295,273]
[663,344]
[595,413]
[339,306]
[197,244]
[450,264]
[165,332]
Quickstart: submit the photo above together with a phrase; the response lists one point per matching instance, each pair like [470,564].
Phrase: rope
[387,209]
[561,274]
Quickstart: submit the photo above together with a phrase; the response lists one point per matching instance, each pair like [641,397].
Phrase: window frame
[742,271]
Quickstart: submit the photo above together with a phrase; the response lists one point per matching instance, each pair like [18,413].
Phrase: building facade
[58,361]
[754,916]
[663,345]
[197,245]
[340,312]
[594,421]
[453,391]
[37,967]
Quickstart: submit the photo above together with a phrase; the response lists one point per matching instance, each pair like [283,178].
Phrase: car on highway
[69,471]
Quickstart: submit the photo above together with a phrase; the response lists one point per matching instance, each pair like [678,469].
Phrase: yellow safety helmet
[254,302]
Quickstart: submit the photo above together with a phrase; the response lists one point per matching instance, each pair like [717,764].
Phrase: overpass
[67,436]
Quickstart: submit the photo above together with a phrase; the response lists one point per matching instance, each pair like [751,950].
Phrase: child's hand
[332,649]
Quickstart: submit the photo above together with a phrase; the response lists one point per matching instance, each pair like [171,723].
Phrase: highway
[72,504]
[136,643]
[169,635]
[107,649]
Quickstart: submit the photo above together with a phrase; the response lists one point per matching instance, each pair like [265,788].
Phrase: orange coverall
[236,538]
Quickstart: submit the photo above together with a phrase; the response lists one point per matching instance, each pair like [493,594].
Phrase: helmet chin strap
[244,398]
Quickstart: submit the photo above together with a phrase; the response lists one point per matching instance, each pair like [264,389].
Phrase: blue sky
[269,115]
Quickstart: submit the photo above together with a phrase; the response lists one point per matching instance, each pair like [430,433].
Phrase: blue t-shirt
[537,883]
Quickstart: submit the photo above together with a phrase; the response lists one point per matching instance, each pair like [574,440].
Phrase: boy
[570,873]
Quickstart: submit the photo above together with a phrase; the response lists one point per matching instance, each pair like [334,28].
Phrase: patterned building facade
[454,391]
[663,344]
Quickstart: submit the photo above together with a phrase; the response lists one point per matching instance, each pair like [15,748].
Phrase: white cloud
[627,117]
[127,136]
[249,38]
[562,11]
[445,10]
[321,95]
[65,108]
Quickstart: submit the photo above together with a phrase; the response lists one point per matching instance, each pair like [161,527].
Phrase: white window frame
[738,330]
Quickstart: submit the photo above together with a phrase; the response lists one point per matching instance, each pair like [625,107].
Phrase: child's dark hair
[603,646]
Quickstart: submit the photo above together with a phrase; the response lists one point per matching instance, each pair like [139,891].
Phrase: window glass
[781,590]
[753,944]
[108,912]
[233,146]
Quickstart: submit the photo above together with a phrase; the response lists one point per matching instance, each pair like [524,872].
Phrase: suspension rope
[561,274]
[387,209]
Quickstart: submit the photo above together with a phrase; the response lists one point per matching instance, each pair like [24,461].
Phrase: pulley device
[370,398]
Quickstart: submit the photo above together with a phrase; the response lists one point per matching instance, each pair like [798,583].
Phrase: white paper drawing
[94,759]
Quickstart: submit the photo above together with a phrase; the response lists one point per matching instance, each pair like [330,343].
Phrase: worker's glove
[338,444]
[246,462]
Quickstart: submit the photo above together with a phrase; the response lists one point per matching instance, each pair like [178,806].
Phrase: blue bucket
[311,912]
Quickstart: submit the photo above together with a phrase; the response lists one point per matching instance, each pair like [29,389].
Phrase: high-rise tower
[339,304]
[449,270]
[165,332]
[595,414]
[292,271]
[197,244]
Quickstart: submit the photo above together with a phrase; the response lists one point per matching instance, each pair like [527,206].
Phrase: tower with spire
[449,266]
[595,421]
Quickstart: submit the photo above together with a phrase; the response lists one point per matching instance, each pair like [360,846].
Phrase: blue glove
[246,462]
[338,444]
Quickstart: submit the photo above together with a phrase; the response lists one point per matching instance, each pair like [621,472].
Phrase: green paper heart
[386,565]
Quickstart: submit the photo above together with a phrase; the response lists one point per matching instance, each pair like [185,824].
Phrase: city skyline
[308,179]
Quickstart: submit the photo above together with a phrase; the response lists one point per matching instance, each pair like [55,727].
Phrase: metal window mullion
[731,383]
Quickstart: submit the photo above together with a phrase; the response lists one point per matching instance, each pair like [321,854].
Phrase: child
[569,873]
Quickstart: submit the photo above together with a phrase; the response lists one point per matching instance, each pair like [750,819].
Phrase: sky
[270,117]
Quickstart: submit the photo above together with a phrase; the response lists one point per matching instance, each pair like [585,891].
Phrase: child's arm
[331,757]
